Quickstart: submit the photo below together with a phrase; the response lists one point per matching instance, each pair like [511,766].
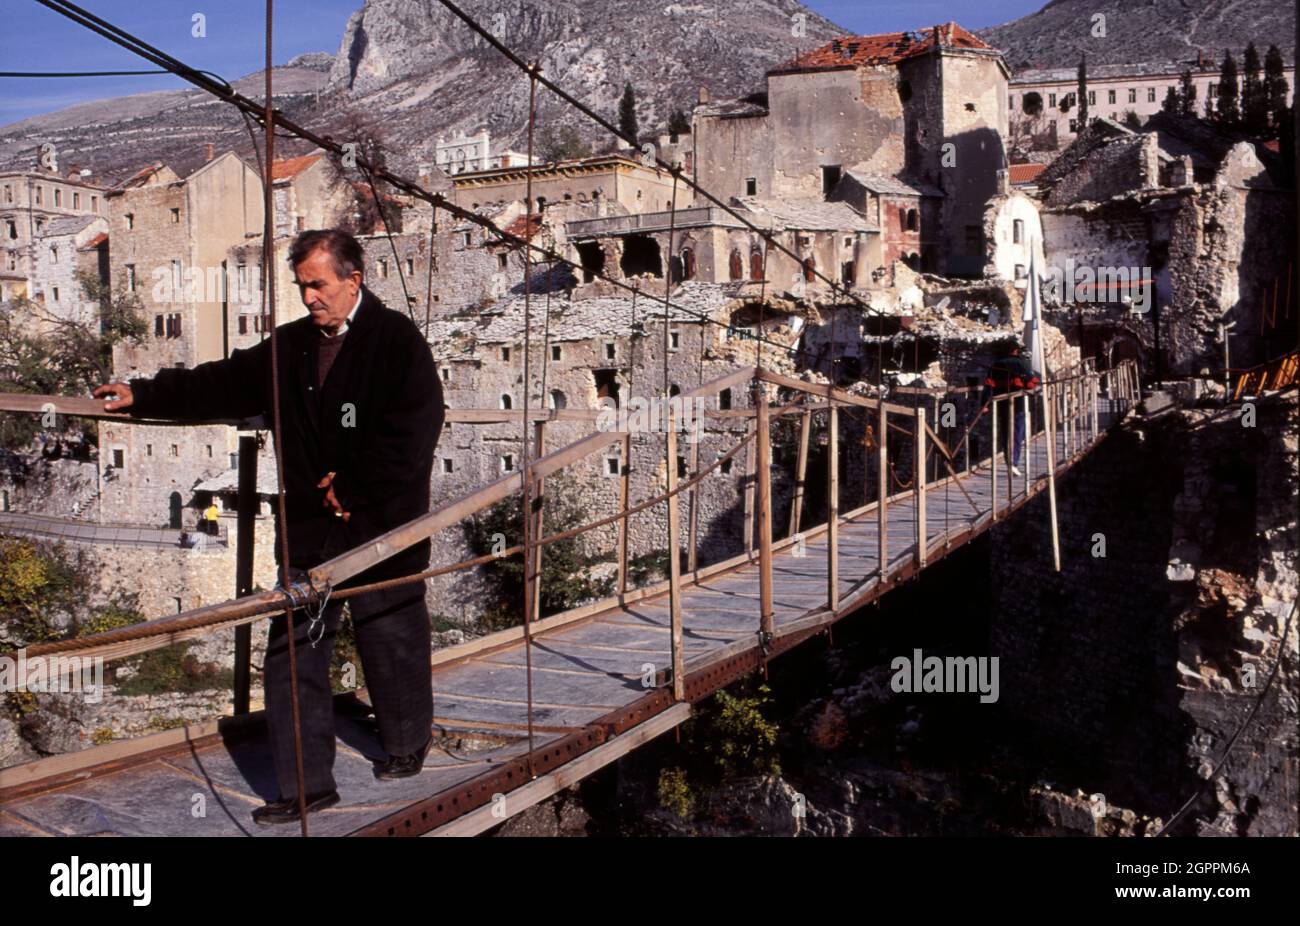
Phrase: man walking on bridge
[361,409]
[1011,372]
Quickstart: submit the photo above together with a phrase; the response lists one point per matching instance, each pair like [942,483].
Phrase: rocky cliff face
[410,71]
[1145,30]
[427,72]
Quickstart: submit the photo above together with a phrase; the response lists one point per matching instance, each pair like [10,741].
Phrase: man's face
[328,297]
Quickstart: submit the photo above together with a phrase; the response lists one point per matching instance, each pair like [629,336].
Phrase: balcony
[690,217]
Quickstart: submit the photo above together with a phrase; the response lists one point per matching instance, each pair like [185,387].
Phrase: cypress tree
[1228,112]
[1083,93]
[1186,94]
[1254,105]
[1171,104]
[627,114]
[1275,91]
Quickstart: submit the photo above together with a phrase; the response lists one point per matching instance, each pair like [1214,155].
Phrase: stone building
[614,182]
[70,247]
[594,352]
[171,240]
[930,107]
[1043,105]
[900,210]
[1013,234]
[1160,236]
[711,245]
[30,200]
[467,153]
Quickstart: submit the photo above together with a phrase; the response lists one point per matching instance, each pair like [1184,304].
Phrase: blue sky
[38,39]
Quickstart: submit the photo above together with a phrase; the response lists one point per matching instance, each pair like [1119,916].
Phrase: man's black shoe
[286,810]
[404,766]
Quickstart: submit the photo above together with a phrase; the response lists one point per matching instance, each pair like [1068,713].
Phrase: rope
[529,586]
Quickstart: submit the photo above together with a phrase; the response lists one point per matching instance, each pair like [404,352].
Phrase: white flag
[1033,315]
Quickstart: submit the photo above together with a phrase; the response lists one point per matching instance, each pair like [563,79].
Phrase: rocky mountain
[409,71]
[1138,31]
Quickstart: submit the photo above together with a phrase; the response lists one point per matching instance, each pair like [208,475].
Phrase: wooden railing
[1069,408]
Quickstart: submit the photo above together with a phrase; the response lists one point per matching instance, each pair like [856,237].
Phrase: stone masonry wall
[1130,668]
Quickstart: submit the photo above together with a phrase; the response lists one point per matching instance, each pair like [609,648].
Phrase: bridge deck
[587,690]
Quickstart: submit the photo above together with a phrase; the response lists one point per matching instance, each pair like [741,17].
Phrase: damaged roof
[805,214]
[894,186]
[69,224]
[733,109]
[885,48]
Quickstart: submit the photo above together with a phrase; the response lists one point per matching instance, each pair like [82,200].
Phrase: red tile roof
[886,48]
[95,241]
[292,167]
[533,223]
[1026,173]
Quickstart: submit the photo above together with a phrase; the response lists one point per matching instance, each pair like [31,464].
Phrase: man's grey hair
[344,250]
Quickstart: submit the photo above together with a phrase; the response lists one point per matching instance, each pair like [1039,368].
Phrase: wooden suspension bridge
[597,681]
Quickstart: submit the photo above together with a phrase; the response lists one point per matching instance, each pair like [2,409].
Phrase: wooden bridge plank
[583,670]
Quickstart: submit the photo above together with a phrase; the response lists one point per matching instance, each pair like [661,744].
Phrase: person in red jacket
[1011,373]
[361,409]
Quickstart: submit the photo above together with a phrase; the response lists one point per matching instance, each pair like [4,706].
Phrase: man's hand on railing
[120,393]
[331,501]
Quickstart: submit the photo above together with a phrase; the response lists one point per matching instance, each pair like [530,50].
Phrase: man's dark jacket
[374,423]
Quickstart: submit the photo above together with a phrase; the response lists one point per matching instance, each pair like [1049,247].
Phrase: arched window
[673,390]
[688,264]
[756,264]
[506,401]
[737,265]
[558,400]
[809,269]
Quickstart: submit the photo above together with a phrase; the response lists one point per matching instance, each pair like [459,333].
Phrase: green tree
[679,123]
[627,123]
[563,144]
[1254,102]
[1275,91]
[566,578]
[45,353]
[43,594]
[1083,93]
[1228,110]
[1171,104]
[1186,94]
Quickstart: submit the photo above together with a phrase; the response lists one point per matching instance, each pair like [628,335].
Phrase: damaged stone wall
[1216,251]
[1130,669]
[57,479]
[846,118]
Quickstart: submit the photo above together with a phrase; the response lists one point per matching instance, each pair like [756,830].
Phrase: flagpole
[1038,362]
